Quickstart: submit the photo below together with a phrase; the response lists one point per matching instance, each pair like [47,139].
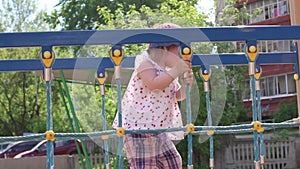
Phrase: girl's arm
[148,74]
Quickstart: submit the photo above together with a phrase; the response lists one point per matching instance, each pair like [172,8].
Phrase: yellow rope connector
[252,52]
[120,131]
[210,132]
[101,77]
[260,130]
[257,75]
[204,76]
[186,53]
[190,128]
[104,137]
[50,135]
[117,55]
[257,126]
[47,58]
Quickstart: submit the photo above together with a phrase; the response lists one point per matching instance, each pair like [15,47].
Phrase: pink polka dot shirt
[143,109]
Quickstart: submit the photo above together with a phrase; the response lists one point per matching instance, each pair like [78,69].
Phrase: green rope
[75,119]
[70,123]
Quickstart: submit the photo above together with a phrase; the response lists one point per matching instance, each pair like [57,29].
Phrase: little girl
[150,102]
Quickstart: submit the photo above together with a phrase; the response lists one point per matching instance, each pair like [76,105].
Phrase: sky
[203,5]
[48,4]
[206,6]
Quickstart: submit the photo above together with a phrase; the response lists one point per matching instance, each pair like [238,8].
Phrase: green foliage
[235,12]
[282,134]
[184,14]
[286,110]
[83,14]
[21,15]
[23,95]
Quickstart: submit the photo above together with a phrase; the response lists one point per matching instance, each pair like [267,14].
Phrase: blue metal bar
[50,148]
[128,62]
[138,36]
[241,59]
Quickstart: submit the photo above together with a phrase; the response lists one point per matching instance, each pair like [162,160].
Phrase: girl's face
[173,49]
[173,57]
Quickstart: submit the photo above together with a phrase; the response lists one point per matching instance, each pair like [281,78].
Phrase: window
[264,87]
[281,85]
[275,46]
[273,86]
[268,9]
[291,84]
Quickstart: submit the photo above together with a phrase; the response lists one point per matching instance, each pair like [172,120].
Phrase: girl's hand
[188,77]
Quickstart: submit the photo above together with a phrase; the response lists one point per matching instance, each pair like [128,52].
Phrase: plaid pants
[151,151]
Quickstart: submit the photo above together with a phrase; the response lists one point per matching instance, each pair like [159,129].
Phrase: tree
[22,99]
[74,15]
[286,111]
[21,15]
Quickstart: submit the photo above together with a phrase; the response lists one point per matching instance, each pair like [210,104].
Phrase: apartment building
[277,81]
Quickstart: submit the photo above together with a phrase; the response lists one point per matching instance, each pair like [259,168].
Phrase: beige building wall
[295,20]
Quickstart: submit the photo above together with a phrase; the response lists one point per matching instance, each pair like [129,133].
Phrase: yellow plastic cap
[47,54]
[186,51]
[117,52]
[252,49]
[296,76]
